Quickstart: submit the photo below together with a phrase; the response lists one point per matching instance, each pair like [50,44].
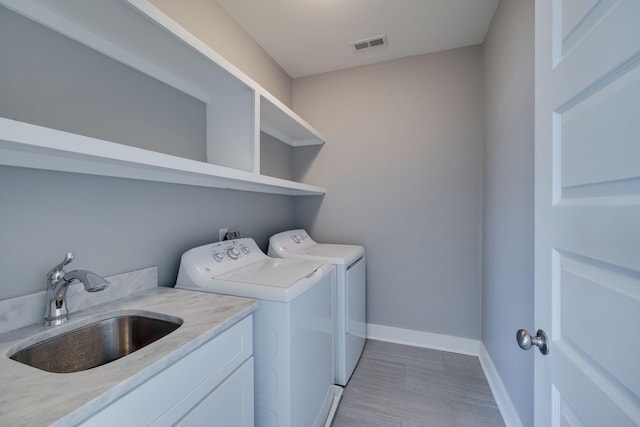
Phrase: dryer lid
[335,254]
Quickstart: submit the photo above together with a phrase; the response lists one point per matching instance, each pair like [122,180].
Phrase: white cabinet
[137,34]
[214,383]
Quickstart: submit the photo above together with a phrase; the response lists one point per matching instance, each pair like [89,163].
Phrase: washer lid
[240,268]
[281,273]
[281,280]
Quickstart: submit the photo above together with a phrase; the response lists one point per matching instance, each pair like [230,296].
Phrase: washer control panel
[232,250]
[222,257]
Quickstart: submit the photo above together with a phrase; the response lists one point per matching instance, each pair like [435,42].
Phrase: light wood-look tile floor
[403,386]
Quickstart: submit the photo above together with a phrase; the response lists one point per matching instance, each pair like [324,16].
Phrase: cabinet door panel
[231,404]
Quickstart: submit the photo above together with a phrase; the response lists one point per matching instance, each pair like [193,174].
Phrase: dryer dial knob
[233,253]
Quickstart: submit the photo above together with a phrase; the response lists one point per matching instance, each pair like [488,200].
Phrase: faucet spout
[58,282]
[91,281]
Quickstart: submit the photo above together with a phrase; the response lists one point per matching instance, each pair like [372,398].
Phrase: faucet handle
[56,272]
[70,256]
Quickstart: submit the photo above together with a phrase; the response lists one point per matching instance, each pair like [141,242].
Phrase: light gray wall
[208,21]
[116,225]
[276,157]
[507,297]
[52,81]
[403,171]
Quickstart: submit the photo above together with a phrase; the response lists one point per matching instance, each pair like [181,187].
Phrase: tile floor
[403,386]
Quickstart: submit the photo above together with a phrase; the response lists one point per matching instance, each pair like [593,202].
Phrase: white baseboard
[455,345]
[507,410]
[423,339]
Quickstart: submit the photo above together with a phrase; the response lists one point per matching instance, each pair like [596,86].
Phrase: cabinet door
[230,404]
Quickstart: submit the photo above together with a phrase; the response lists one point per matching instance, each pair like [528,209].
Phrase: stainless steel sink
[95,344]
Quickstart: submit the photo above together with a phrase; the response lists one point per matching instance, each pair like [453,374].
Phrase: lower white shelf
[27,145]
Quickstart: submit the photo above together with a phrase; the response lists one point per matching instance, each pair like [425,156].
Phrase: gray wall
[507,297]
[276,157]
[116,225]
[403,171]
[208,21]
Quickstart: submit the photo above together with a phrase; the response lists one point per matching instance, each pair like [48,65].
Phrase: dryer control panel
[287,241]
[300,237]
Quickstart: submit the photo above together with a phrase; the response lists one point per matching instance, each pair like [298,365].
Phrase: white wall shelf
[277,120]
[27,145]
[139,35]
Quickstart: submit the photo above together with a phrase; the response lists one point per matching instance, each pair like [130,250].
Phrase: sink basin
[95,344]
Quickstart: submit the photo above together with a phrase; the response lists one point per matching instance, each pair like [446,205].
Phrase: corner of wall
[208,21]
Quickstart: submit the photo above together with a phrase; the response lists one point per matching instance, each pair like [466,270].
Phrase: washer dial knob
[245,250]
[218,256]
[233,253]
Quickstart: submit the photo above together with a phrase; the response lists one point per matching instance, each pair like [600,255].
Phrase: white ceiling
[313,36]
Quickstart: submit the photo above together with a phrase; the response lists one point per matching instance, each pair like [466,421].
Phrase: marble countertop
[31,397]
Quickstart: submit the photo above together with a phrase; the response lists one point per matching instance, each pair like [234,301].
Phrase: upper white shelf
[27,145]
[139,35]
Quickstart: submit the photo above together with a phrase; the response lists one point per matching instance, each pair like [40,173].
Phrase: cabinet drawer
[183,384]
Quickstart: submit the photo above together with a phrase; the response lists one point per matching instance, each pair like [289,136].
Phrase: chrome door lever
[525,341]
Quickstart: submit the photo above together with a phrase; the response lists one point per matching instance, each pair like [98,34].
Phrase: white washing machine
[293,326]
[350,300]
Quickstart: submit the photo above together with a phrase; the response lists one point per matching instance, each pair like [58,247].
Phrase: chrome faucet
[57,283]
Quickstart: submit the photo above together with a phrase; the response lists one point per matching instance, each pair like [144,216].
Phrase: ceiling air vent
[361,45]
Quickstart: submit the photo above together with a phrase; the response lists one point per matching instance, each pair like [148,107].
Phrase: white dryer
[293,326]
[350,301]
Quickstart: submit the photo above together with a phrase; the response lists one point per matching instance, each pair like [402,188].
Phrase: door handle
[525,341]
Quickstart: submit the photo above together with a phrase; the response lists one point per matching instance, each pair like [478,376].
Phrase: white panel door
[588,212]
